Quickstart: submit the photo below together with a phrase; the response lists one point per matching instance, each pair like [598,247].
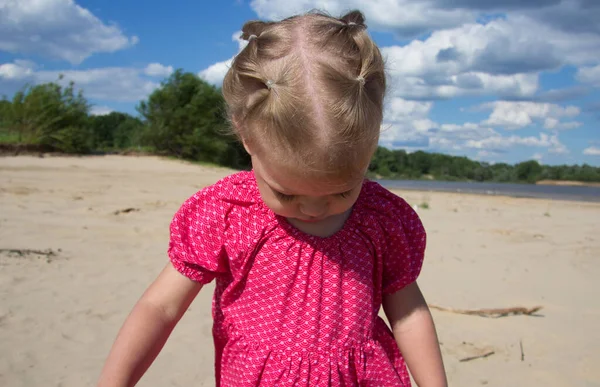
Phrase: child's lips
[313,220]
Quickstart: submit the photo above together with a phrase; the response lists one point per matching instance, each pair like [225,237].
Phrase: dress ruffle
[369,363]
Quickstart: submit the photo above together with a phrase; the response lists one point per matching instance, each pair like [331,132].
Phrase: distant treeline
[185,118]
[398,164]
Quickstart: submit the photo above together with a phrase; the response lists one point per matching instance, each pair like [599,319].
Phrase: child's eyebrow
[288,193]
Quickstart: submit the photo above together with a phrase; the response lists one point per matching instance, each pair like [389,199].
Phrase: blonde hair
[309,91]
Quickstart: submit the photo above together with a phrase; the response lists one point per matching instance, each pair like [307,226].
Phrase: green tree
[5,107]
[528,171]
[382,162]
[115,131]
[49,115]
[420,162]
[185,118]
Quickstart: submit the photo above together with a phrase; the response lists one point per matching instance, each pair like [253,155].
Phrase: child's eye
[345,194]
[284,197]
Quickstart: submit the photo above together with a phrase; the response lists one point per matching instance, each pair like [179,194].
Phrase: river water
[579,193]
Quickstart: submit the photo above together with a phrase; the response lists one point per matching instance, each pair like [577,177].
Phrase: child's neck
[324,228]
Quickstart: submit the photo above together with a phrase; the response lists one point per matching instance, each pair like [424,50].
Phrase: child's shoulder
[379,197]
[237,187]
[217,201]
[388,208]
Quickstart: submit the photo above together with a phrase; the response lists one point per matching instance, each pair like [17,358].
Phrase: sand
[60,313]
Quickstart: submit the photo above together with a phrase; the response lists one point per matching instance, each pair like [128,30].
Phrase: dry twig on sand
[494,313]
[522,352]
[23,252]
[490,353]
[48,253]
[126,211]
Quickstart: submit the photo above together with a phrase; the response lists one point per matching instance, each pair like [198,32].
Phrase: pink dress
[292,309]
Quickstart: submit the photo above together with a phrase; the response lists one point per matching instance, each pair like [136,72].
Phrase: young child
[304,250]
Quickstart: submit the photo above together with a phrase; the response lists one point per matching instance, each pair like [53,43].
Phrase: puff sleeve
[197,237]
[405,245]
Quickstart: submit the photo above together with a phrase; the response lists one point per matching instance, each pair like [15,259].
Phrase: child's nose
[314,208]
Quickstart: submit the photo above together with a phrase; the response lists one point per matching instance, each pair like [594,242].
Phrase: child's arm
[147,328]
[415,334]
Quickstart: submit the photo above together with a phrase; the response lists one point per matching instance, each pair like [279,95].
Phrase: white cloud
[20,69]
[109,83]
[401,109]
[568,15]
[57,29]
[592,151]
[473,59]
[497,47]
[158,70]
[537,156]
[501,142]
[215,73]
[589,75]
[454,137]
[516,115]
[100,110]
[462,57]
[502,57]
[529,29]
[557,147]
[412,18]
[467,131]
[466,84]
[554,124]
[236,37]
[406,135]
[487,154]
[405,18]
[126,84]
[406,124]
[568,46]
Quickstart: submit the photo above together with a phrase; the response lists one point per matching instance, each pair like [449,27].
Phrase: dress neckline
[290,229]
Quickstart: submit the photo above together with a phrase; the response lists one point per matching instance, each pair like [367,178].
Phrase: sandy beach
[82,237]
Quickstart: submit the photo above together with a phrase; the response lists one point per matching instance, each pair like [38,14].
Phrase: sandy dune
[60,309]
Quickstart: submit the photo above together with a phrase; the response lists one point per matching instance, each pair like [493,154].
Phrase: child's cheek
[278,207]
[286,209]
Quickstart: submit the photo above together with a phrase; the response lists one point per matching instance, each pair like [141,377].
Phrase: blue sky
[497,81]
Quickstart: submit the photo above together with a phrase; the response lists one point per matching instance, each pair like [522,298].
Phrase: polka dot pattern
[292,309]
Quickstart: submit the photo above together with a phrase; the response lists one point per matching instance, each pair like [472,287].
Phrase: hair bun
[354,18]
[253,29]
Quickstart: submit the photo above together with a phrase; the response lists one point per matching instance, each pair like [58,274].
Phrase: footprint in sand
[20,191]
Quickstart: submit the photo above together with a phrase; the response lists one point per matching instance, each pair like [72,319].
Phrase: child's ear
[238,130]
[246,147]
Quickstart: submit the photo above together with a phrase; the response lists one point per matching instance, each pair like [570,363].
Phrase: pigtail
[371,62]
[250,88]
[354,17]
[356,78]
